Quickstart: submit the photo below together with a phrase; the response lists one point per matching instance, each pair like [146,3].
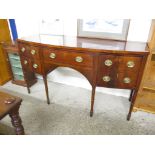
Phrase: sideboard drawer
[68,57]
[78,59]
[126,81]
[36,66]
[24,50]
[29,65]
[129,64]
[107,70]
[26,63]
[53,55]
[34,52]
[29,51]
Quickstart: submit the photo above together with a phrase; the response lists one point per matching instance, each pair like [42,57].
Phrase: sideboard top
[88,43]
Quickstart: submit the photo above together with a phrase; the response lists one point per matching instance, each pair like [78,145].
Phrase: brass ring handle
[25,62]
[130,64]
[35,66]
[108,62]
[52,56]
[126,80]
[106,78]
[23,49]
[33,52]
[79,59]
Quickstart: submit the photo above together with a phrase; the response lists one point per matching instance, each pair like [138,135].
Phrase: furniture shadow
[6,130]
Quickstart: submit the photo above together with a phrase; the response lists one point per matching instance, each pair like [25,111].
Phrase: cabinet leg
[132,104]
[92,101]
[16,121]
[46,89]
[28,89]
[131,94]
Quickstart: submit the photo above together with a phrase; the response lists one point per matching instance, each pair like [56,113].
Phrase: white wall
[138,30]
[27,27]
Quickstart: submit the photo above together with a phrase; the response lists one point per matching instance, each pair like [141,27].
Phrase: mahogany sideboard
[105,63]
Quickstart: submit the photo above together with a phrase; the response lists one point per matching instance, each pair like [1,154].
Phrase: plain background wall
[138,31]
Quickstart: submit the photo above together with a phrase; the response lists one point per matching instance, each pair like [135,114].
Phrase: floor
[68,113]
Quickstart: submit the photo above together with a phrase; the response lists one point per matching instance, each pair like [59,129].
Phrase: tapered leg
[46,89]
[131,94]
[28,89]
[16,121]
[92,100]
[132,104]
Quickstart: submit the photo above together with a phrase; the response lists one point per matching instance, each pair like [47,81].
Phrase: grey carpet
[68,114]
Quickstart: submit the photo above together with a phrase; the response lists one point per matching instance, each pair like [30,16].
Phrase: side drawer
[107,71]
[29,51]
[29,65]
[129,64]
[128,71]
[36,66]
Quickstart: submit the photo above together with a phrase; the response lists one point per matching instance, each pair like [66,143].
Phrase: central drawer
[73,58]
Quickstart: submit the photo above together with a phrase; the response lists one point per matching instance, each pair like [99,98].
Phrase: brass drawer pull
[106,78]
[52,56]
[35,66]
[23,49]
[108,62]
[79,59]
[126,80]
[25,62]
[33,52]
[130,64]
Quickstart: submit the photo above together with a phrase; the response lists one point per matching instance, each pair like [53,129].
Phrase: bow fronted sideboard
[105,63]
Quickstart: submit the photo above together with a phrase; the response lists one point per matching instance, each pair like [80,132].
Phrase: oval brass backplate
[25,62]
[106,78]
[79,59]
[52,56]
[33,52]
[35,66]
[126,80]
[130,64]
[23,49]
[108,62]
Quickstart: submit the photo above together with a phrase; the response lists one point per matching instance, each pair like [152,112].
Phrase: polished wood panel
[5,74]
[110,71]
[104,63]
[68,57]
[118,71]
